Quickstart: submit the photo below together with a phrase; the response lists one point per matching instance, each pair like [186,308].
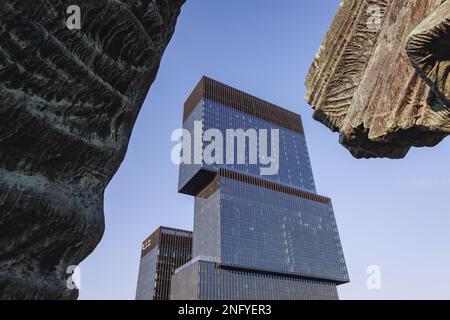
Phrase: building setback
[256,237]
[162,253]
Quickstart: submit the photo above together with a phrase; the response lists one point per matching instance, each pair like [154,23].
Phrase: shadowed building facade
[256,236]
[162,253]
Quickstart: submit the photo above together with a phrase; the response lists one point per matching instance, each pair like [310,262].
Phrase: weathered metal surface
[68,103]
[363,85]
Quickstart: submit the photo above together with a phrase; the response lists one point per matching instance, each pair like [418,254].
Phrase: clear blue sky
[394,214]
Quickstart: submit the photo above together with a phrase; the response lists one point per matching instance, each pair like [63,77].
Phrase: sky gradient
[390,213]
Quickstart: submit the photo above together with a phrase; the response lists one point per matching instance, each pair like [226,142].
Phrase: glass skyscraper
[255,236]
[162,253]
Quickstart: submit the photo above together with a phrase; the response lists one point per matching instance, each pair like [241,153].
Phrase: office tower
[256,236]
[162,253]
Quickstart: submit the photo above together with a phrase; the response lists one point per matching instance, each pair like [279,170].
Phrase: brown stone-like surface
[428,48]
[363,85]
[68,103]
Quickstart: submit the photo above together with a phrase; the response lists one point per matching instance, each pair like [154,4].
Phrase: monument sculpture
[381,76]
[68,102]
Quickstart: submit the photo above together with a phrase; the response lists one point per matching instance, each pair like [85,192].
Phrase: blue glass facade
[207,221]
[205,280]
[189,170]
[246,225]
[272,230]
[256,236]
[163,251]
[294,167]
[147,275]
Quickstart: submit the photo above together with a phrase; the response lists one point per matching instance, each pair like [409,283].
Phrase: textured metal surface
[68,103]
[363,85]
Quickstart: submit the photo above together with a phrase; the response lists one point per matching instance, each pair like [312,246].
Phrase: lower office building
[207,280]
[162,253]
